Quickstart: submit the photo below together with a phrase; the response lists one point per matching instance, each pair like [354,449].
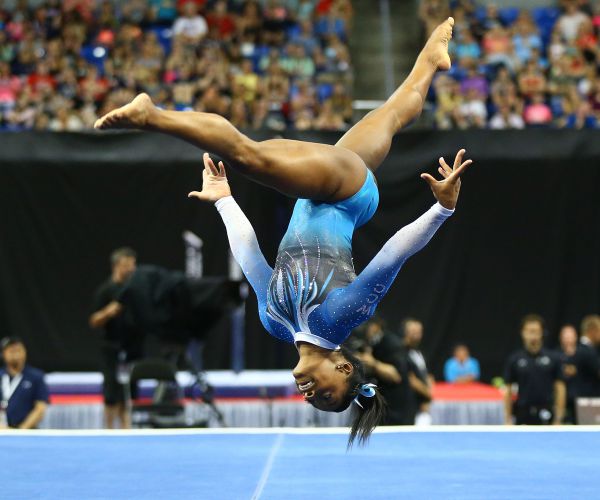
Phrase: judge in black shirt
[581,370]
[110,316]
[538,374]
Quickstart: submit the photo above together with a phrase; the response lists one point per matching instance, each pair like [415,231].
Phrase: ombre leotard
[313,293]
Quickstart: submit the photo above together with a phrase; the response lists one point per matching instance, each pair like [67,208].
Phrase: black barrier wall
[525,237]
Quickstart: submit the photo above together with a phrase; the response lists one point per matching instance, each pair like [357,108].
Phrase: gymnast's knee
[249,156]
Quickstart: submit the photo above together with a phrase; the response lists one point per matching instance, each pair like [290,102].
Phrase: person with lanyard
[24,395]
[537,373]
[312,296]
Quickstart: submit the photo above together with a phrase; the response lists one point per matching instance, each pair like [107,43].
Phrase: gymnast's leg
[299,169]
[371,137]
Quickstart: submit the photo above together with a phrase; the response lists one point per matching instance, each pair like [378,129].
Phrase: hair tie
[366,390]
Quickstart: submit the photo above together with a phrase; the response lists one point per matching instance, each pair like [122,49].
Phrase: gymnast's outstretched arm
[240,232]
[346,308]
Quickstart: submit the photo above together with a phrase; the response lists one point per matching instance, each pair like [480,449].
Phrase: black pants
[533,415]
[114,392]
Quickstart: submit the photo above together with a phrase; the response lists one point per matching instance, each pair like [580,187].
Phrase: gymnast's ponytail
[369,405]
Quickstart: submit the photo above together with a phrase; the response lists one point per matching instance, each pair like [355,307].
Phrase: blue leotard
[313,294]
[314,258]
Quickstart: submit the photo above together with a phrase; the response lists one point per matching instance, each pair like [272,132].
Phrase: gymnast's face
[324,384]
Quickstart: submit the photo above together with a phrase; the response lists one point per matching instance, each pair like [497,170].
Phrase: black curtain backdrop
[524,239]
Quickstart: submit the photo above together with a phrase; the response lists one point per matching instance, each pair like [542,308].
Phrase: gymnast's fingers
[196,194]
[428,179]
[222,172]
[459,158]
[209,164]
[445,166]
[459,170]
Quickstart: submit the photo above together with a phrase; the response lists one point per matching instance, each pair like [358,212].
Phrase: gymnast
[313,297]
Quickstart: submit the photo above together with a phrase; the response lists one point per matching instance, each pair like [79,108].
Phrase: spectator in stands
[506,118]
[432,13]
[537,374]
[328,118]
[526,37]
[420,379]
[583,117]
[191,27]
[448,102]
[385,358]
[472,112]
[461,368]
[65,121]
[221,22]
[537,113]
[109,316]
[532,80]
[581,370]
[498,47]
[163,12]
[573,18]
[466,49]
[24,395]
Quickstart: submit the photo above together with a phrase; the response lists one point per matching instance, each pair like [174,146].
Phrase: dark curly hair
[372,412]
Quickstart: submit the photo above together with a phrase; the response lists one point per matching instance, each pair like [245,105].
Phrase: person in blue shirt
[23,392]
[461,368]
[312,295]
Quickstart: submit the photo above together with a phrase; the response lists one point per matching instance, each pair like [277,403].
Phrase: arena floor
[437,463]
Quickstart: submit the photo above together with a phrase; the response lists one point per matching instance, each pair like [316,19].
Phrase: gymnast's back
[315,257]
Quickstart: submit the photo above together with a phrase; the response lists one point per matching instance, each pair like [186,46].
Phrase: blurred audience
[64,64]
[534,375]
[461,368]
[24,394]
[541,65]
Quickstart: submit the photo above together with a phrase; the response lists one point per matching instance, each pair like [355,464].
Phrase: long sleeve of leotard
[348,307]
[244,246]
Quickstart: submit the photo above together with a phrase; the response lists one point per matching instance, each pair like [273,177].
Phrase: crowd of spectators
[515,67]
[268,63]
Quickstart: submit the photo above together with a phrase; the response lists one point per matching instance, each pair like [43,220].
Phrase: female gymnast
[313,297]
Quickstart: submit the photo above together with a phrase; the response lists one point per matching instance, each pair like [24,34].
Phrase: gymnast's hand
[446,191]
[214,182]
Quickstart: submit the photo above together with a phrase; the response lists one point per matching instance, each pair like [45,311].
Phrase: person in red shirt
[220,21]
[41,79]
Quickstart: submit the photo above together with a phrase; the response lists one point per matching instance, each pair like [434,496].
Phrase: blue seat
[508,15]
[164,36]
[324,91]
[94,54]
[545,18]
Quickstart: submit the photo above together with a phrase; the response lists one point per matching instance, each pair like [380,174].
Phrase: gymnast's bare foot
[132,115]
[436,47]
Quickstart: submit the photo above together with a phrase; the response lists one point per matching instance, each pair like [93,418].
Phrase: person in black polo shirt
[120,334]
[23,393]
[581,370]
[537,373]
